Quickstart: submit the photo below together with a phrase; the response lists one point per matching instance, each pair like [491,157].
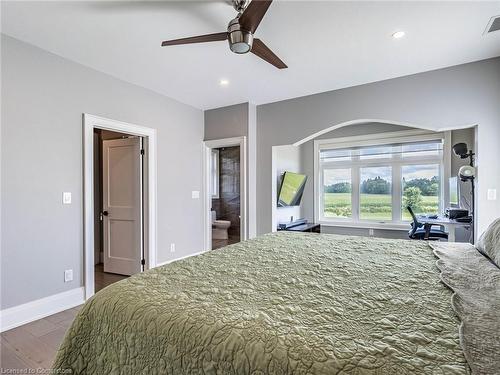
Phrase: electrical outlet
[370,232]
[195,194]
[68,276]
[66,197]
[172,247]
[492,194]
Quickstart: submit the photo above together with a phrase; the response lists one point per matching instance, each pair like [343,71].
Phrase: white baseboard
[176,259]
[40,308]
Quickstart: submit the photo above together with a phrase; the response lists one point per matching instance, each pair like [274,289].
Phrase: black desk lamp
[467,173]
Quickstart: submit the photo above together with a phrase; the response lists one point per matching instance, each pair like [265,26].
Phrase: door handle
[102,214]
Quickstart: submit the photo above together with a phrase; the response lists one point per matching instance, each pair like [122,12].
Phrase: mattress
[283,303]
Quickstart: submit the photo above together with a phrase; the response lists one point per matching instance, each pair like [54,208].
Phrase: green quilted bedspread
[283,303]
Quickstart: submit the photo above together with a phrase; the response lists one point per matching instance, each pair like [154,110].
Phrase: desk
[449,224]
[306,227]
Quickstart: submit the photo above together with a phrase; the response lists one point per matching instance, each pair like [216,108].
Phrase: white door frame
[91,122]
[207,197]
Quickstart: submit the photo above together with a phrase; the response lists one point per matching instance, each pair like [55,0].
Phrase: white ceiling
[326,44]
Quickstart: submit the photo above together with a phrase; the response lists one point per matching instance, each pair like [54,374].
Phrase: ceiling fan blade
[196,39]
[253,14]
[261,50]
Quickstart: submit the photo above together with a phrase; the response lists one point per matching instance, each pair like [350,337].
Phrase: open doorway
[119,201]
[225,195]
[118,206]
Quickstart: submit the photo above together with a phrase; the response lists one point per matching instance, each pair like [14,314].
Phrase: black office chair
[420,231]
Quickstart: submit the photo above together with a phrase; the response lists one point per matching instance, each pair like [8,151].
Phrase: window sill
[365,225]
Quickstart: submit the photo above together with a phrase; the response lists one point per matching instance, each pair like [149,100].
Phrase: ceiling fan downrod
[239,5]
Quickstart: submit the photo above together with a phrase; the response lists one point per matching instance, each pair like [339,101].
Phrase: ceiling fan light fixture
[240,41]
[240,47]
[240,32]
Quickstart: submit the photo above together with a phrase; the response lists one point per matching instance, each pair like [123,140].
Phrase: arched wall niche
[299,157]
[358,122]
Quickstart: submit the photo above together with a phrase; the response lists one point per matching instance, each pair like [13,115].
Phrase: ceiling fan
[240,32]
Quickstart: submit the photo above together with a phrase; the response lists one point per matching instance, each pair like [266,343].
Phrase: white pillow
[489,242]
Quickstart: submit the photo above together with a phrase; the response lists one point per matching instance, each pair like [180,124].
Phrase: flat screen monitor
[454,192]
[292,188]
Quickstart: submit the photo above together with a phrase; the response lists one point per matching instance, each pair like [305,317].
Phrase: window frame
[215,173]
[407,136]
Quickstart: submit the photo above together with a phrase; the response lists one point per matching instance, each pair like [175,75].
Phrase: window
[214,173]
[375,193]
[337,196]
[373,181]
[421,189]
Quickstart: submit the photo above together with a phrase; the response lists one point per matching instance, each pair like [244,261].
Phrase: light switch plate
[66,197]
[68,276]
[492,194]
[195,194]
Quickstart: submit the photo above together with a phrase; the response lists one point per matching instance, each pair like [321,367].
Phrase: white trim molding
[16,316]
[207,197]
[365,121]
[181,258]
[398,137]
[91,122]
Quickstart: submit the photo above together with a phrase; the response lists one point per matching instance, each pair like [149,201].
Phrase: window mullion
[355,192]
[321,192]
[396,193]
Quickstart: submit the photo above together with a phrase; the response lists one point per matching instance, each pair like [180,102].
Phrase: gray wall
[236,121]
[454,97]
[226,122]
[43,98]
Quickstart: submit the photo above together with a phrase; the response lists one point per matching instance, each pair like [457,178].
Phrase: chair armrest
[427,228]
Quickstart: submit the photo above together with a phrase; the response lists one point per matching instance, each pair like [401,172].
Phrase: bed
[283,303]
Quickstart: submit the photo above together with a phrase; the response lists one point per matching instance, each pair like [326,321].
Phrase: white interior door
[122,205]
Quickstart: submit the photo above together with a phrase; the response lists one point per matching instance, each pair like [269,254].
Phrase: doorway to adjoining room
[225,194]
[118,206]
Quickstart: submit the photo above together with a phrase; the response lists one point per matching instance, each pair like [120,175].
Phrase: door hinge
[142,152]
[143,262]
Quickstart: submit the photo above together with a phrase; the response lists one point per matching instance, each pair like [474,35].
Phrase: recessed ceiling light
[223,82]
[398,34]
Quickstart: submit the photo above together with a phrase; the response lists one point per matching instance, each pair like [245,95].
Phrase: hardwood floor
[34,345]
[103,279]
